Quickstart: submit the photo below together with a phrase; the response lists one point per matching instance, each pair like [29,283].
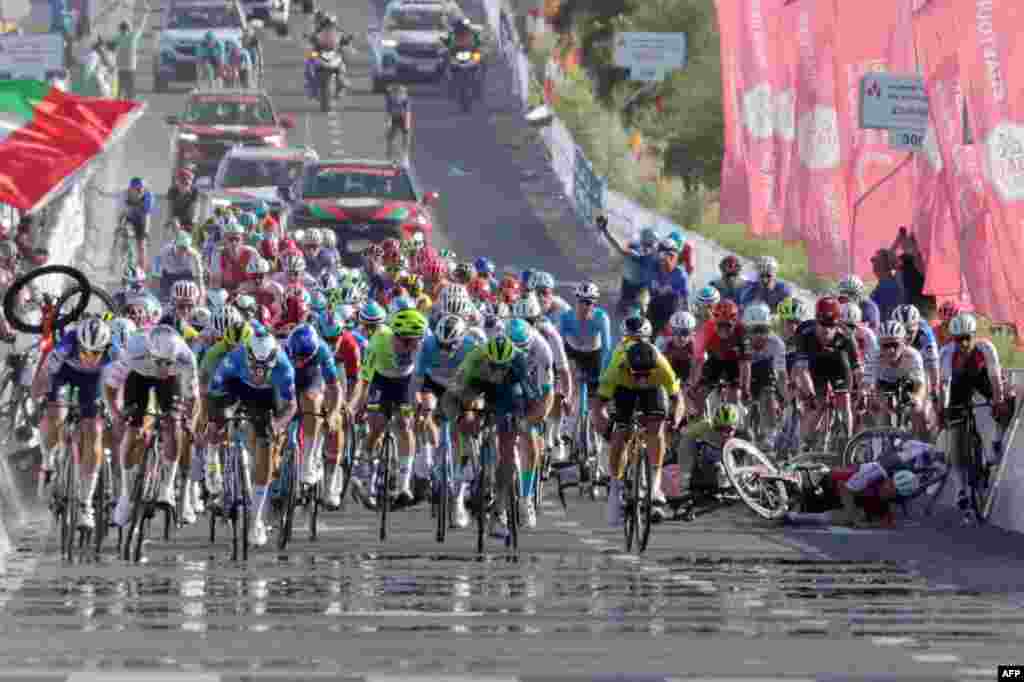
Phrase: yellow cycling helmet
[237,333]
[500,350]
[409,322]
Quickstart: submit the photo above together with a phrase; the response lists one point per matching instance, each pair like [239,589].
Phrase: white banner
[32,56]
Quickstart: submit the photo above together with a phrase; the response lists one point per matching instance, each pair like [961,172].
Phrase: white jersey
[554,339]
[909,367]
[538,360]
[867,342]
[558,307]
[773,351]
[173,264]
[135,358]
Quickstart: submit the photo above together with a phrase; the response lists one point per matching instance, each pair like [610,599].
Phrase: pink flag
[734,195]
[786,58]
[817,178]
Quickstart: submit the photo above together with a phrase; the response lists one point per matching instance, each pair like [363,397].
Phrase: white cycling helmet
[262,350]
[93,335]
[852,287]
[201,317]
[163,342]
[588,291]
[707,297]
[185,290]
[217,298]
[457,304]
[682,322]
[767,265]
[246,304]
[294,263]
[121,329]
[312,236]
[757,315]
[232,226]
[964,324]
[223,318]
[258,266]
[450,329]
[907,314]
[330,238]
[893,329]
[183,239]
[541,280]
[527,307]
[851,314]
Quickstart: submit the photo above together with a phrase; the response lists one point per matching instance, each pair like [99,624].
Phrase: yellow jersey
[617,375]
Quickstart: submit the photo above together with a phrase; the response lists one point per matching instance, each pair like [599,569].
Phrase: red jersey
[232,270]
[346,352]
[732,349]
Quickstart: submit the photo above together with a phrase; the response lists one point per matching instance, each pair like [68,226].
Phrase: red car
[217,120]
[362,201]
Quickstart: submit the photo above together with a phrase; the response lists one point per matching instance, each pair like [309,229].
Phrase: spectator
[126,43]
[911,266]
[670,288]
[889,294]
[641,263]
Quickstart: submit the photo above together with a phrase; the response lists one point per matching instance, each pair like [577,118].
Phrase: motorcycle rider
[326,37]
[399,117]
[211,51]
[183,199]
[461,37]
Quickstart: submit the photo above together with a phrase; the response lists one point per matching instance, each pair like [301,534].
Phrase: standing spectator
[670,288]
[911,266]
[889,294]
[126,43]
[641,263]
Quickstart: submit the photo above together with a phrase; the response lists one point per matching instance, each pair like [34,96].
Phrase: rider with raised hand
[78,360]
[973,365]
[387,379]
[678,347]
[231,259]
[825,355]
[920,336]
[639,381]
[586,330]
[257,377]
[155,360]
[670,286]
[640,262]
[900,364]
[768,288]
[179,261]
[294,273]
[728,357]
[852,289]
[136,208]
[539,364]
[731,284]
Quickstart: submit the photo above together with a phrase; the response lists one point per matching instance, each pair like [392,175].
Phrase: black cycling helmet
[642,356]
[124,26]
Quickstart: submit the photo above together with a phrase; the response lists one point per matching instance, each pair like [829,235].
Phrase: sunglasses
[164,364]
[891,346]
[584,302]
[233,240]
[962,339]
[640,374]
[760,331]
[828,324]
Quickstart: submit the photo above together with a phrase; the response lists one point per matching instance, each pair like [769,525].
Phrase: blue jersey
[233,378]
[756,291]
[671,283]
[360,340]
[639,268]
[869,311]
[66,353]
[589,335]
[141,207]
[441,366]
[321,366]
[924,342]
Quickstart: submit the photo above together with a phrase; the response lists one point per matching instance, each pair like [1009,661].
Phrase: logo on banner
[785,115]
[818,138]
[873,90]
[758,114]
[930,147]
[1005,149]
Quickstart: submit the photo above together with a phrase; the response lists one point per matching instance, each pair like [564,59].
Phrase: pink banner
[734,195]
[786,59]
[818,175]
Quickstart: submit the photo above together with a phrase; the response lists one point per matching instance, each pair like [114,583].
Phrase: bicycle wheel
[289,497]
[69,528]
[972,463]
[870,444]
[345,459]
[480,495]
[442,493]
[631,494]
[101,505]
[388,451]
[99,303]
[13,294]
[317,493]
[512,513]
[140,497]
[755,478]
[645,509]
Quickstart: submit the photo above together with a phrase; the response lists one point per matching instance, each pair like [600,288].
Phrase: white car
[450,6]
[408,45]
[188,22]
[271,12]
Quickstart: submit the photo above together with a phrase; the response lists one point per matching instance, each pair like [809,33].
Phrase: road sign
[906,139]
[893,102]
[643,53]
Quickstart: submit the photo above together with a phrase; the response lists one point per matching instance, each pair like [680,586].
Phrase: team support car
[188,21]
[408,45]
[248,175]
[363,201]
[214,121]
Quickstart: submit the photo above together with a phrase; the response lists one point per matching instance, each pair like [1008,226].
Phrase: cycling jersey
[232,271]
[924,341]
[834,362]
[772,354]
[323,261]
[306,281]
[211,360]
[912,455]
[679,355]
[136,359]
[177,265]
[381,359]
[319,369]
[617,376]
[440,367]
[187,331]
[64,367]
[867,346]
[870,313]
[732,349]
[587,335]
[639,265]
[137,209]
[909,367]
[348,352]
[756,291]
[539,362]
[733,293]
[976,370]
[558,308]
[183,205]
[211,50]
[504,387]
[234,379]
[555,342]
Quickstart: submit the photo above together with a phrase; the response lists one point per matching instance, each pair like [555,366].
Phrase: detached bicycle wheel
[754,476]
[81,282]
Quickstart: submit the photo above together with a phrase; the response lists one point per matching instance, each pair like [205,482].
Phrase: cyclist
[78,360]
[768,288]
[973,366]
[940,328]
[155,360]
[399,112]
[260,286]
[293,273]
[318,260]
[901,365]
[702,444]
[852,289]
[257,377]
[677,345]
[641,381]
[386,380]
[137,209]
[825,355]
[553,306]
[730,285]
[768,376]
[540,365]
[230,262]
[179,261]
[920,336]
[133,281]
[185,296]
[183,200]
[670,286]
[498,373]
[727,345]
[640,263]
[211,54]
[586,331]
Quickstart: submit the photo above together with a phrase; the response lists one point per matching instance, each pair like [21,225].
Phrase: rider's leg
[334,448]
[91,461]
[311,403]
[406,451]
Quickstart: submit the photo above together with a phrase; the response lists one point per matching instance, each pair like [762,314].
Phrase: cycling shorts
[648,402]
[88,384]
[138,223]
[588,364]
[256,401]
[431,386]
[716,370]
[137,389]
[762,376]
[391,391]
[309,378]
[831,369]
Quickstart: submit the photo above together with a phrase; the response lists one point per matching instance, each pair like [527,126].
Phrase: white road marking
[108,676]
[936,658]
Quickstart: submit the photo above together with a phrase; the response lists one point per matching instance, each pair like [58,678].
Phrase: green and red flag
[47,136]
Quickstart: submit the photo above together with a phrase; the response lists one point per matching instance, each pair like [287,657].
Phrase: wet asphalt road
[724,597]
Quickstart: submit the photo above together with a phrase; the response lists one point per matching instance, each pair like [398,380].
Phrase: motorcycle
[325,75]
[464,72]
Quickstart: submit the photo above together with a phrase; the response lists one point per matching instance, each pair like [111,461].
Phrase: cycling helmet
[133,275]
[258,266]
[260,209]
[541,280]
[93,335]
[317,301]
[588,291]
[232,226]
[182,239]
[217,298]
[767,265]
[893,329]
[163,343]
[949,310]
[239,331]
[463,273]
[303,342]
[906,483]
[409,323]
[412,282]
[636,326]
[726,311]
[372,313]
[294,264]
[708,297]
[500,350]
[136,183]
[247,305]
[682,322]
[120,329]
[852,287]
[484,266]
[730,265]
[757,315]
[450,330]
[648,237]
[201,317]
[528,307]
[330,238]
[801,311]
[261,351]
[311,237]
[641,357]
[964,324]
[222,318]
[401,303]
[852,314]
[828,310]
[460,305]
[247,220]
[328,280]
[726,416]
[909,315]
[518,332]
[787,309]
[185,291]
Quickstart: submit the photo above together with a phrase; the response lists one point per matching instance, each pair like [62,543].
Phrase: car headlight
[389,43]
[187,137]
[274,139]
